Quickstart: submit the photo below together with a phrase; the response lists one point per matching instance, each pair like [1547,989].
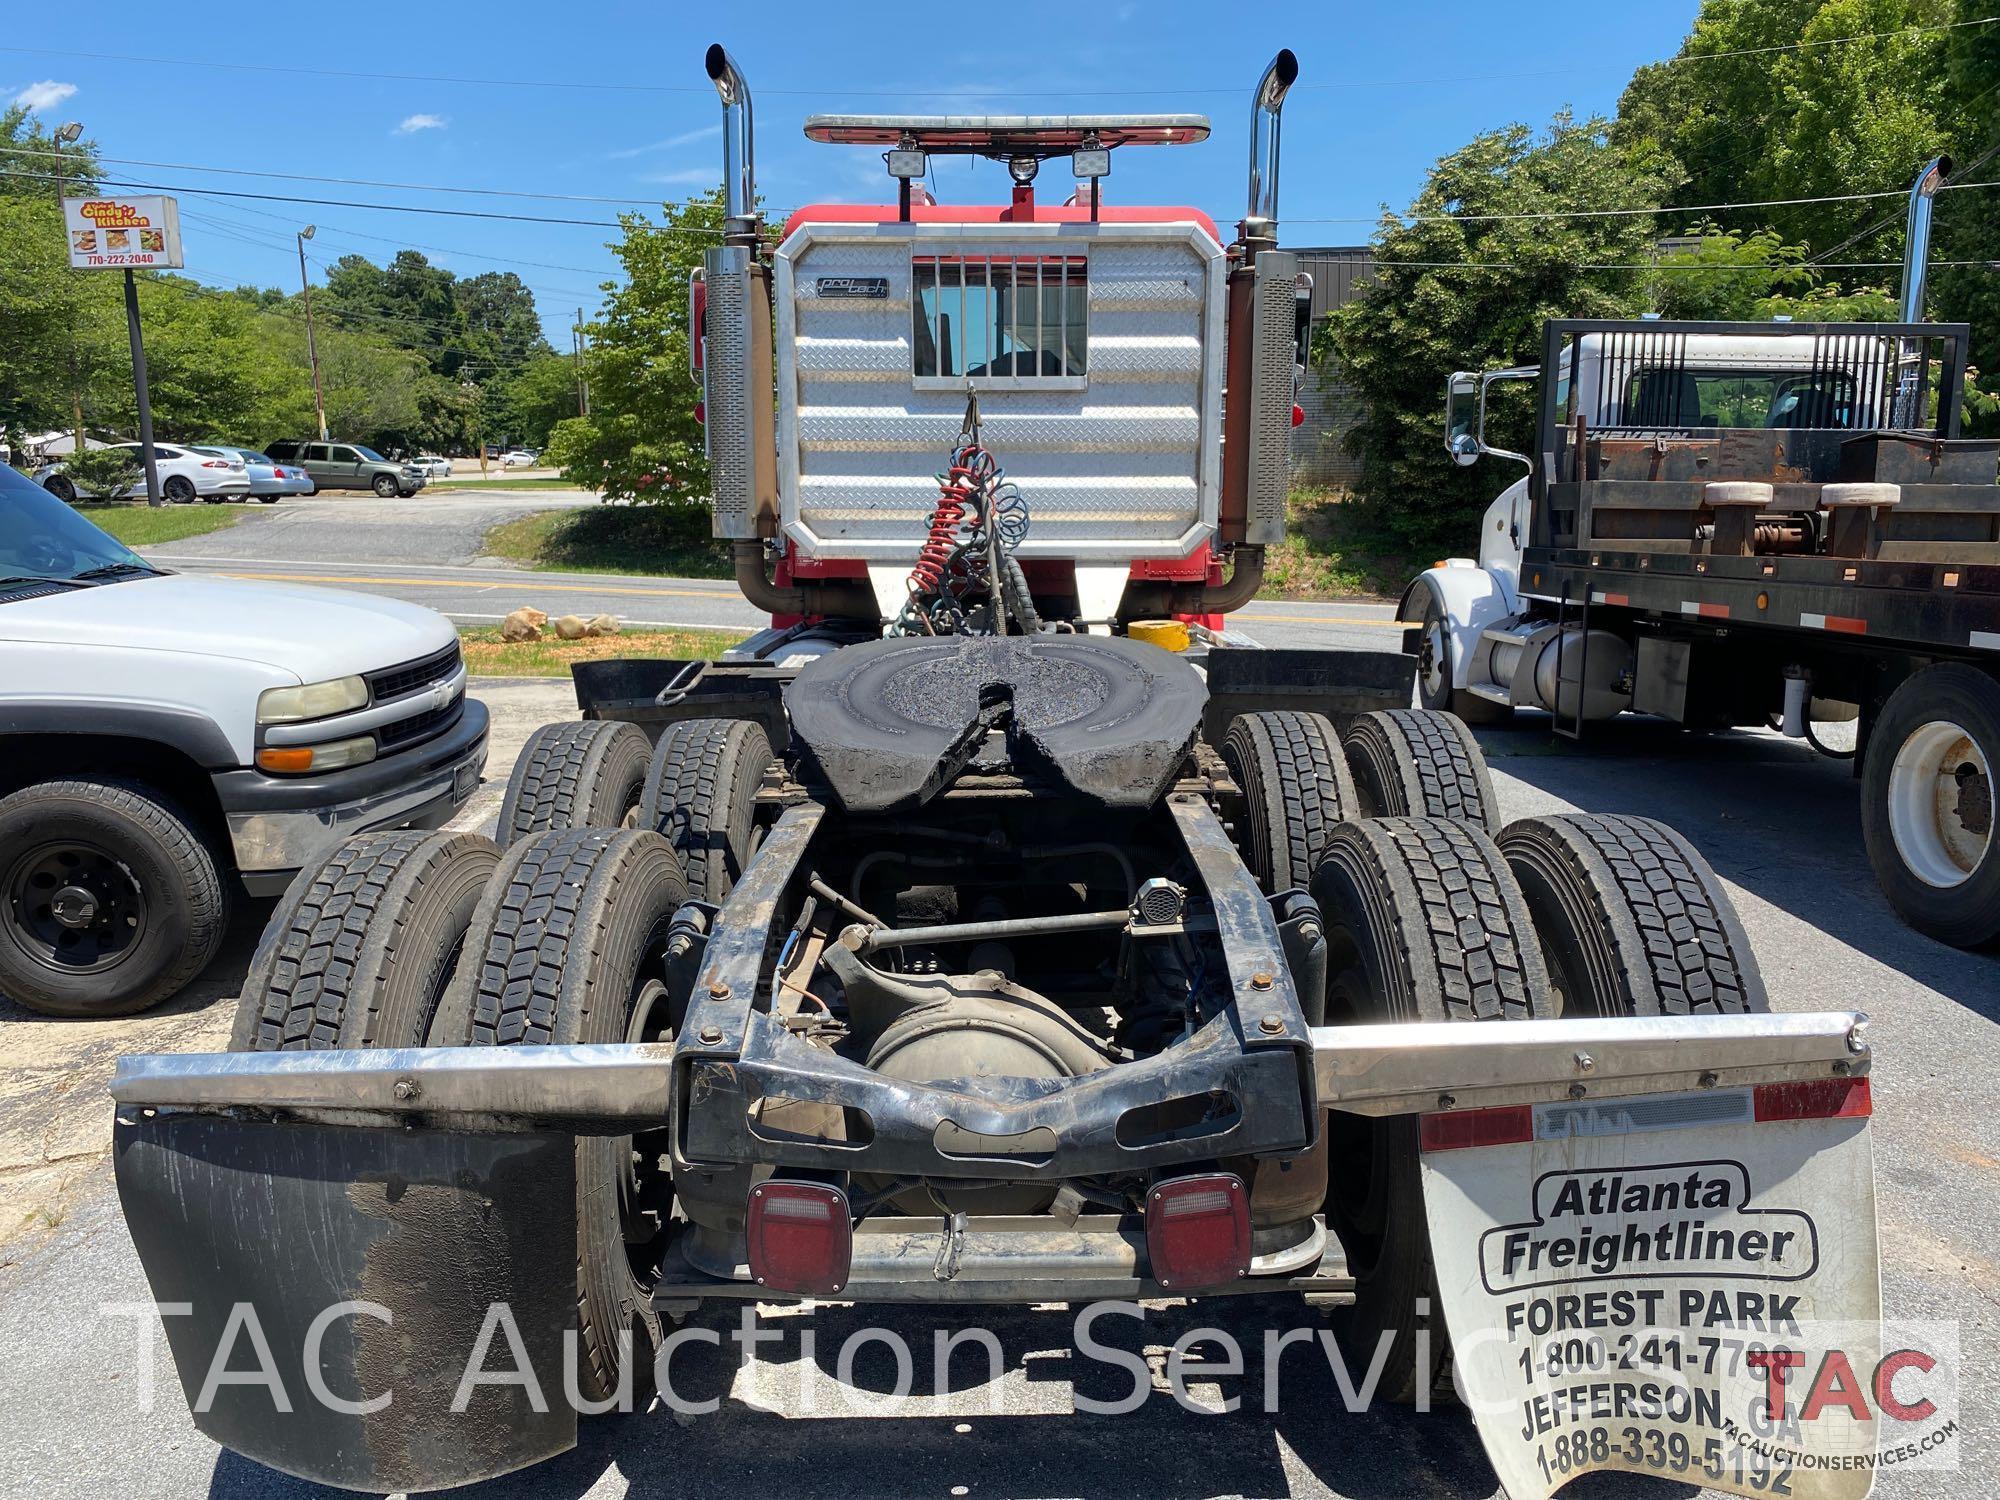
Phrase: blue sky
[617,106]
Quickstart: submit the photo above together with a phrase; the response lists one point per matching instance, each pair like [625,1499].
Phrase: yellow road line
[468,583]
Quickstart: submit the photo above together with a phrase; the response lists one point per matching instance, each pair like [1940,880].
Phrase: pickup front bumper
[279,824]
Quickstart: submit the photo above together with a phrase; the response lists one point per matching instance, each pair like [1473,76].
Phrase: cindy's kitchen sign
[123,234]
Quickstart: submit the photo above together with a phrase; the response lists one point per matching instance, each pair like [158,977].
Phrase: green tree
[502,328]
[641,440]
[529,401]
[1820,117]
[1467,279]
[30,165]
[409,303]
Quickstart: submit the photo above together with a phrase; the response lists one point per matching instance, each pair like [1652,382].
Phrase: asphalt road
[1780,826]
[427,551]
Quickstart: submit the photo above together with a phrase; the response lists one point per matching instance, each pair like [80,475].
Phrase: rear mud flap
[259,1238]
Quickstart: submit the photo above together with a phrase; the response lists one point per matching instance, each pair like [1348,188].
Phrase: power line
[413,187]
[598,85]
[334,231]
[1622,213]
[1407,219]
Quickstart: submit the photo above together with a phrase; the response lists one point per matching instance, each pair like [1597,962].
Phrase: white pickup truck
[166,741]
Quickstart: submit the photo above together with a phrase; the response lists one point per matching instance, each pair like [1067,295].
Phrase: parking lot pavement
[1779,824]
[442,528]
[426,550]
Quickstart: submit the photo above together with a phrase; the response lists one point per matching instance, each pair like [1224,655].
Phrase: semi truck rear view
[991,929]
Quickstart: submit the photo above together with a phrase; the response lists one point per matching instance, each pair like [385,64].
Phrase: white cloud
[44,95]
[671,143]
[686,177]
[415,123]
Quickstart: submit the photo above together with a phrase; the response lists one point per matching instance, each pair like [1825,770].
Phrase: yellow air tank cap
[1168,635]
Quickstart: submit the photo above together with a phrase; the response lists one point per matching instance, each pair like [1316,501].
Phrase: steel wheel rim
[1431,665]
[1936,784]
[75,908]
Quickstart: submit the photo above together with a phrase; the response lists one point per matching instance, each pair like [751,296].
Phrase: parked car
[167,741]
[350,466]
[519,458]
[185,475]
[270,481]
[434,467]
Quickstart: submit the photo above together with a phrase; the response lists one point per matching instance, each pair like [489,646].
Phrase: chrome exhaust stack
[1908,409]
[739,143]
[738,371]
[1260,222]
[1917,238]
[1261,374]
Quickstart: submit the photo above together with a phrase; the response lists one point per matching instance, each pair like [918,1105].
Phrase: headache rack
[1852,426]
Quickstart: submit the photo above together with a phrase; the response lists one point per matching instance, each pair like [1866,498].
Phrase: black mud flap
[281,1223]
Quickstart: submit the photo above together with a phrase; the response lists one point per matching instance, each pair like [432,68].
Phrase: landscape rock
[524,624]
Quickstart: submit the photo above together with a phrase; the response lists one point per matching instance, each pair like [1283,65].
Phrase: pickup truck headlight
[297,760]
[315,700]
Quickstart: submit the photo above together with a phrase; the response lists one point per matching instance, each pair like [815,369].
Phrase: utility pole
[582,384]
[146,452]
[312,347]
[66,134]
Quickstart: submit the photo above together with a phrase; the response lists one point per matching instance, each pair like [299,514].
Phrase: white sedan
[433,466]
[185,474]
[518,459]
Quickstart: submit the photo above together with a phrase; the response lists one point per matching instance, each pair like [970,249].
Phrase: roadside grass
[1330,552]
[145,526]
[648,540]
[486,655]
[514,482]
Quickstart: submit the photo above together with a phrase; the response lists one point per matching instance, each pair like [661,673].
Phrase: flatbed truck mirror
[1463,439]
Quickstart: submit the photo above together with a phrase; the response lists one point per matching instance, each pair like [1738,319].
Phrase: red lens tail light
[1198,1231]
[801,1237]
[215,463]
[1298,415]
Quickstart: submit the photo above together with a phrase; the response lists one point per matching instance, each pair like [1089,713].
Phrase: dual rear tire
[1431,918]
[697,788]
[438,939]
[1300,779]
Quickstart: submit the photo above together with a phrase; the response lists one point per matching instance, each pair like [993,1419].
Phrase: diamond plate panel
[1128,459]
[726,387]
[1272,366]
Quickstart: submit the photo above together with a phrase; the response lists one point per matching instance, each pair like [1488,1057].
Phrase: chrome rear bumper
[613,1089]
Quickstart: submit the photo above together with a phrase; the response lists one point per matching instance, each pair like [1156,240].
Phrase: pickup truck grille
[394,682]
[427,725]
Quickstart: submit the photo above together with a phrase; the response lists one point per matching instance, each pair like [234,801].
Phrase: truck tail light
[1298,415]
[801,1237]
[697,323]
[1198,1231]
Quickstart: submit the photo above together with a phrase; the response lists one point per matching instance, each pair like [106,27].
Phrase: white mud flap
[1627,1282]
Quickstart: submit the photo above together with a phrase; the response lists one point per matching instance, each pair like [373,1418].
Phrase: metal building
[1339,273]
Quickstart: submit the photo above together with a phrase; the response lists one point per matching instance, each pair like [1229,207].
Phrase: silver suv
[350,466]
